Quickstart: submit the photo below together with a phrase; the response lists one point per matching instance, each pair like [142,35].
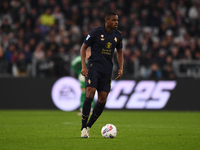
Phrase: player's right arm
[1,51]
[84,70]
[87,42]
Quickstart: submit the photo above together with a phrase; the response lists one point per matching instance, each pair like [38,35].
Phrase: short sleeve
[119,44]
[90,38]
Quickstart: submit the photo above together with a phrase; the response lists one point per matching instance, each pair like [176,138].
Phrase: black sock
[98,109]
[86,111]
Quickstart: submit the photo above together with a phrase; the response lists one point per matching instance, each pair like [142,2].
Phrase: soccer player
[76,65]
[103,41]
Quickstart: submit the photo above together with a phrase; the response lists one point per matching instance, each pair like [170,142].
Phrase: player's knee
[90,92]
[102,97]
[90,95]
[102,100]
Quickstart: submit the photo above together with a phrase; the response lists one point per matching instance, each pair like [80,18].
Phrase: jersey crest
[102,37]
[108,45]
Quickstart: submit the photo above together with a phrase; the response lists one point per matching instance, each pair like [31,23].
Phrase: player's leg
[87,105]
[103,88]
[99,107]
[90,91]
[92,106]
[91,84]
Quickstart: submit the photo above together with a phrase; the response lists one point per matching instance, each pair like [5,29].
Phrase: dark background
[23,93]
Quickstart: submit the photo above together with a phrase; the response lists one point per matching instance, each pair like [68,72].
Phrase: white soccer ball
[109,131]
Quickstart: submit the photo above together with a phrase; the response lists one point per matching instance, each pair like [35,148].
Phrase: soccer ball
[109,131]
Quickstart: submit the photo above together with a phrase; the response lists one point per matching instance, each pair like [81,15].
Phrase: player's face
[113,21]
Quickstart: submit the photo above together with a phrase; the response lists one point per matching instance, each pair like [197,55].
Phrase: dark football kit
[100,63]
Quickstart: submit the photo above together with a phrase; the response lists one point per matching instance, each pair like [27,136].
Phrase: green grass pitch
[137,130]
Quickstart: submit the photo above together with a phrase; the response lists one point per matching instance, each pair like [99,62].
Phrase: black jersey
[103,45]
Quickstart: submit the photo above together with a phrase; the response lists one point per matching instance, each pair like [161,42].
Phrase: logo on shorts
[115,39]
[89,81]
[102,37]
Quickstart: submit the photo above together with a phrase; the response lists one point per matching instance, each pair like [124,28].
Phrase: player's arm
[120,62]
[87,42]
[1,51]
[84,70]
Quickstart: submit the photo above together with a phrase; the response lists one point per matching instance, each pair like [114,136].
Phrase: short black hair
[109,14]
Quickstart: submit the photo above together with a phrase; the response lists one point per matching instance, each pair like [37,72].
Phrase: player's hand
[84,71]
[120,73]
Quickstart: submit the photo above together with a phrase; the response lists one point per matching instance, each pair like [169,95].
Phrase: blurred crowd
[40,38]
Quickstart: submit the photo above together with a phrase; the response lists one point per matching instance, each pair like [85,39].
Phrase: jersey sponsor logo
[66,93]
[115,39]
[108,45]
[106,51]
[88,37]
[142,95]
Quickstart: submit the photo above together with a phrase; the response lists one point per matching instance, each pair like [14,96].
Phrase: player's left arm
[1,51]
[120,59]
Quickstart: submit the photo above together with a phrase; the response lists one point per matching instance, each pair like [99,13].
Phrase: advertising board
[64,94]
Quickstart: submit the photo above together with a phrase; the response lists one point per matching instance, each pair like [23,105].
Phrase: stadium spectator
[168,73]
[153,31]
[22,65]
[47,19]
[8,55]
[5,7]
[58,16]
[2,62]
[5,26]
[154,72]
[193,12]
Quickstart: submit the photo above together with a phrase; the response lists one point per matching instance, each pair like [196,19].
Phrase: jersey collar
[104,29]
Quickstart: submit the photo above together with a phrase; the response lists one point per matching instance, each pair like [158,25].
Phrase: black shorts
[98,80]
